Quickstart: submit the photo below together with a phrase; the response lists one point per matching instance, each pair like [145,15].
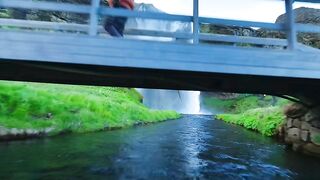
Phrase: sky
[253,10]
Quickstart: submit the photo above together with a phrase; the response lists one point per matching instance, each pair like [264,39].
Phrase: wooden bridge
[78,54]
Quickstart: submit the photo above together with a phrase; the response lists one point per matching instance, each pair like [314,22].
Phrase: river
[193,146]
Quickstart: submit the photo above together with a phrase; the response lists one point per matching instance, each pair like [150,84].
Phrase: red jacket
[129,4]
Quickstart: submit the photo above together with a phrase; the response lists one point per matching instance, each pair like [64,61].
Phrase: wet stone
[296,123]
[312,149]
[293,135]
[316,123]
[289,123]
[305,126]
[304,135]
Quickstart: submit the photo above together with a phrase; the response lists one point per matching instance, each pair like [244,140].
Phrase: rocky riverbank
[301,129]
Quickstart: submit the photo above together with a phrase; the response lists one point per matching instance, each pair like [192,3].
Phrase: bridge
[71,53]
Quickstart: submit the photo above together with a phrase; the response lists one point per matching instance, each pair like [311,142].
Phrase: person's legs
[111,28]
[120,23]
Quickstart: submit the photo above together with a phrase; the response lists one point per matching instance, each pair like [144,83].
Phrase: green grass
[69,108]
[264,120]
[242,103]
[258,113]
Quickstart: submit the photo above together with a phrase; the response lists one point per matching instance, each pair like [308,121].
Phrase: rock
[315,123]
[49,116]
[312,149]
[3,131]
[312,116]
[48,130]
[305,126]
[289,123]
[29,131]
[297,146]
[295,111]
[14,132]
[315,136]
[304,135]
[296,123]
[293,135]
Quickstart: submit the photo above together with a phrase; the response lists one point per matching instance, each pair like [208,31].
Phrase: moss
[73,108]
[317,139]
[264,120]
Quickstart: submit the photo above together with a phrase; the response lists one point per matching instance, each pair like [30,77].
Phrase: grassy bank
[72,108]
[263,114]
[263,120]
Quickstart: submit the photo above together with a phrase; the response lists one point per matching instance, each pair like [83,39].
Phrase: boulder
[296,123]
[3,131]
[289,122]
[293,135]
[295,111]
[304,135]
[315,123]
[312,116]
[14,132]
[305,126]
[312,149]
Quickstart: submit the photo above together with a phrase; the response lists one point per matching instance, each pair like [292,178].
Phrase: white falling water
[187,102]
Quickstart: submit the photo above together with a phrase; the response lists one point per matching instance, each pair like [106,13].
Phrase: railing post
[196,24]
[290,26]
[93,28]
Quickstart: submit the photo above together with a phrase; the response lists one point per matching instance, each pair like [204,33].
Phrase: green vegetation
[317,139]
[4,13]
[243,103]
[264,120]
[260,113]
[67,108]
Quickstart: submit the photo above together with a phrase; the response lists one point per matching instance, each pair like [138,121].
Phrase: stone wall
[302,129]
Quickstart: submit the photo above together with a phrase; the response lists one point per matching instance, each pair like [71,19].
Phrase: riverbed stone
[3,131]
[304,135]
[315,123]
[312,115]
[297,146]
[289,123]
[312,149]
[296,123]
[295,110]
[293,135]
[305,126]
[48,130]
[14,132]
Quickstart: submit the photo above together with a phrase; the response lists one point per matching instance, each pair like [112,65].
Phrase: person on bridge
[115,25]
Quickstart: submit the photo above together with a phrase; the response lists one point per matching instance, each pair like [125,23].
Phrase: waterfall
[187,102]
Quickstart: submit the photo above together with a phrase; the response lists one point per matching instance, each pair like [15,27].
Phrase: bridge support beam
[290,25]
[93,28]
[196,24]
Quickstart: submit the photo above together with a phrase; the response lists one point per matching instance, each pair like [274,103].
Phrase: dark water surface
[192,147]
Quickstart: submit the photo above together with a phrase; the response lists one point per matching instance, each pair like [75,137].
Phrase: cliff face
[303,16]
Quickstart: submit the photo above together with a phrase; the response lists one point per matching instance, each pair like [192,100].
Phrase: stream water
[193,146]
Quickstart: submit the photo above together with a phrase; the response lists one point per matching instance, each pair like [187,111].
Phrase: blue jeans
[115,25]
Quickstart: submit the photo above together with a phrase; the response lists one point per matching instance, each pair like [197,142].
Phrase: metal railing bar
[307,28]
[146,15]
[229,22]
[243,39]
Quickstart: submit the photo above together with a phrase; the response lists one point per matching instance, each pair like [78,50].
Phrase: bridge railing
[94,11]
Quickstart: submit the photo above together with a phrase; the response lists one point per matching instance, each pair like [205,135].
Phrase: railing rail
[95,10]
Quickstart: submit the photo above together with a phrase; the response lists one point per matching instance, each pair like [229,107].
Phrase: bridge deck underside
[81,59]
